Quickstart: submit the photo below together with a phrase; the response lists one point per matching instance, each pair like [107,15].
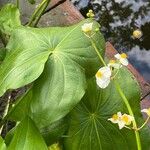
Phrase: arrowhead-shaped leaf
[63,81]
[27,137]
[9,18]
[89,126]
[2,144]
[69,51]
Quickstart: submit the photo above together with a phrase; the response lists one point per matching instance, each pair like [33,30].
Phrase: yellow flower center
[115,117]
[123,55]
[125,119]
[99,74]
[112,61]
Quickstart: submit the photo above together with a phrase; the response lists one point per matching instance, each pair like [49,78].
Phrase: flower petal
[106,71]
[121,124]
[124,61]
[118,56]
[103,82]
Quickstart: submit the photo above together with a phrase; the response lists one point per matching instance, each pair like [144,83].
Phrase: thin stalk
[38,13]
[17,3]
[138,141]
[143,124]
[97,52]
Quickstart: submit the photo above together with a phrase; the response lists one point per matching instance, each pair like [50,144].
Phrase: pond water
[118,19]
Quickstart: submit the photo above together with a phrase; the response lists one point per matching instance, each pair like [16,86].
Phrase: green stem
[17,3]
[124,99]
[97,51]
[131,113]
[144,124]
[38,13]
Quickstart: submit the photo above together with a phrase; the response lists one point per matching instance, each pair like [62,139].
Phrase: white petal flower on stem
[147,111]
[103,77]
[127,119]
[87,27]
[114,64]
[121,120]
[122,58]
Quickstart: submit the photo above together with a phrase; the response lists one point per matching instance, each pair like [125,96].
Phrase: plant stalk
[38,13]
[138,141]
[17,3]
[97,52]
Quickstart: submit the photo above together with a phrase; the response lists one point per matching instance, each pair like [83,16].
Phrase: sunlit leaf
[2,144]
[25,59]
[90,128]
[70,59]
[27,137]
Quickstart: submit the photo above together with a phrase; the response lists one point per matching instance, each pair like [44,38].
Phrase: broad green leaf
[89,126]
[2,144]
[9,18]
[51,134]
[27,137]
[31,1]
[69,51]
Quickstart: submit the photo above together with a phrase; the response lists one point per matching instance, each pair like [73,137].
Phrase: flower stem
[17,3]
[138,141]
[38,13]
[97,51]
[143,124]
[137,136]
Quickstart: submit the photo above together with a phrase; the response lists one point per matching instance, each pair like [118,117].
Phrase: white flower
[103,77]
[114,64]
[147,111]
[137,34]
[122,58]
[87,27]
[121,120]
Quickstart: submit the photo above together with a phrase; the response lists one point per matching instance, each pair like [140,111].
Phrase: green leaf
[27,137]
[63,81]
[2,144]
[69,51]
[31,1]
[51,134]
[9,18]
[89,125]
[54,132]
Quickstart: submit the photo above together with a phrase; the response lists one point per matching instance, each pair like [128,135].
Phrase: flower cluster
[122,120]
[106,73]
[103,76]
